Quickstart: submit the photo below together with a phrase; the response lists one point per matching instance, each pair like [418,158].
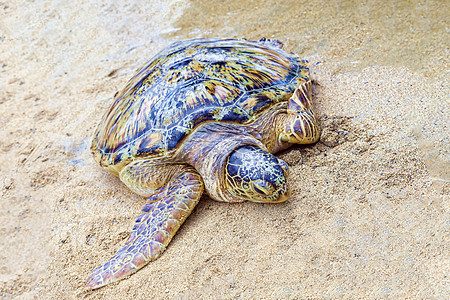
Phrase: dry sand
[369,212]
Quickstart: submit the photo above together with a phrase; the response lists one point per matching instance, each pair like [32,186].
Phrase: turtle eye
[263,187]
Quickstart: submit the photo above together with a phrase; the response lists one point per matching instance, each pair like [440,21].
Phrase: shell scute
[184,70]
[192,82]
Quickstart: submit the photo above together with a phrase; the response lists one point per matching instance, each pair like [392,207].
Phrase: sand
[369,212]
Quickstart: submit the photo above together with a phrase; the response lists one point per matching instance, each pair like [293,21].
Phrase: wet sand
[369,212]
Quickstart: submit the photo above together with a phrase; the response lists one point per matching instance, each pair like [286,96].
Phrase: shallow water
[368,214]
[353,34]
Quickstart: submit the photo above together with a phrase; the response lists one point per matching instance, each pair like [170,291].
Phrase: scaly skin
[205,114]
[300,125]
[153,230]
[178,188]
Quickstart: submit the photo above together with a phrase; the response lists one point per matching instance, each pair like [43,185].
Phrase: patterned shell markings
[192,82]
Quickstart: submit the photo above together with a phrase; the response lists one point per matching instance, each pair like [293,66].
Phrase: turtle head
[253,174]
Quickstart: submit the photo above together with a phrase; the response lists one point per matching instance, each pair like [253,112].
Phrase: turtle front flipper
[154,229]
[300,125]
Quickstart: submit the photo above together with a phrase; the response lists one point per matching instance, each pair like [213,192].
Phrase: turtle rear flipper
[153,230]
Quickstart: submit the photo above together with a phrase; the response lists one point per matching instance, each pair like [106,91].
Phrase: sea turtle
[203,115]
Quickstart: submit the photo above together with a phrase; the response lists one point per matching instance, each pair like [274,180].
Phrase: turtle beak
[282,195]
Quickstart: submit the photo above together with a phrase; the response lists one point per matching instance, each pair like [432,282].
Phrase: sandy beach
[369,213]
